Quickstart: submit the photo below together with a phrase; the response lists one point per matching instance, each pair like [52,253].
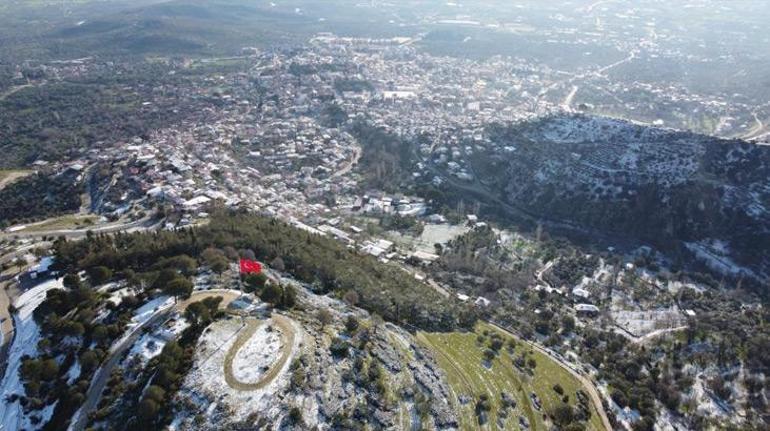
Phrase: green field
[460,355]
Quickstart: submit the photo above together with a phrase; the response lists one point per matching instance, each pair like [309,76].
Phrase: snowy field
[24,343]
[438,234]
[256,356]
[206,387]
[641,323]
[715,254]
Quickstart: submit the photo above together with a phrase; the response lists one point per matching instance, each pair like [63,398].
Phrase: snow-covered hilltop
[660,186]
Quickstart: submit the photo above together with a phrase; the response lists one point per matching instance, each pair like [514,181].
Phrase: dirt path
[9,291]
[13,90]
[589,385]
[657,333]
[357,151]
[289,336]
[6,327]
[12,176]
[567,104]
[756,131]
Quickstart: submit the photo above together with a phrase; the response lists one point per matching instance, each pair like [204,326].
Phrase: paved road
[351,164]
[23,251]
[134,226]
[99,380]
[588,384]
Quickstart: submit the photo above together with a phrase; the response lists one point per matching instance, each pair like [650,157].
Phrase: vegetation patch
[500,382]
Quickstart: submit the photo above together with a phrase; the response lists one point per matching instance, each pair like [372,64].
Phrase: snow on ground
[116,292]
[173,328]
[150,344]
[715,254]
[668,422]
[205,384]
[116,297]
[73,373]
[203,281]
[247,304]
[708,404]
[146,347]
[257,354]
[24,343]
[43,265]
[143,313]
[438,234]
[644,322]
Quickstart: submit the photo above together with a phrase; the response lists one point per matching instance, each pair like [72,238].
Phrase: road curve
[99,380]
[138,225]
[589,385]
[289,336]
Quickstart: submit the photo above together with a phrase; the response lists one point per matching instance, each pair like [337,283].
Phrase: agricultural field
[471,376]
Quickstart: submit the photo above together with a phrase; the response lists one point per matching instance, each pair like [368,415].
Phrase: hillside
[681,192]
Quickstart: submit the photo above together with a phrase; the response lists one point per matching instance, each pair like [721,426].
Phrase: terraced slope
[681,192]
[461,357]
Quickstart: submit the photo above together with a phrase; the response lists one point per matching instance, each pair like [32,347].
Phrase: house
[373,250]
[581,293]
[424,257]
[587,309]
[196,202]
[384,244]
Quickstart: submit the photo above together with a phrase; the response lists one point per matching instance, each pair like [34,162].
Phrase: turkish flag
[249,266]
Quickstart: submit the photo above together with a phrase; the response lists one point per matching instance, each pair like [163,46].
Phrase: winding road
[288,335]
[10,177]
[588,384]
[102,375]
[133,226]
[14,90]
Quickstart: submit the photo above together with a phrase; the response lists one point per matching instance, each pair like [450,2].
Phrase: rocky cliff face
[676,190]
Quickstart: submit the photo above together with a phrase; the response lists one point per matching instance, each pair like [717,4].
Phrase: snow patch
[255,357]
[24,344]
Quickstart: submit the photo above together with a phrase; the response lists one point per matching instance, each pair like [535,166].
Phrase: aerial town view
[371,215]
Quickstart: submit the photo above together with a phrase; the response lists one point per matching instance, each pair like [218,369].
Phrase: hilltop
[679,191]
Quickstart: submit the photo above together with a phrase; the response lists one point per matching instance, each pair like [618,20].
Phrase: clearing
[9,176]
[259,353]
[65,222]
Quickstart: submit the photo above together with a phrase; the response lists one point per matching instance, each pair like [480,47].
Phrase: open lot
[9,176]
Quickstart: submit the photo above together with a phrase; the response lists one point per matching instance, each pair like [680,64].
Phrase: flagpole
[240,279]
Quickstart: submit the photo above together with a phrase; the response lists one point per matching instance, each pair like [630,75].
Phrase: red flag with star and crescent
[249,266]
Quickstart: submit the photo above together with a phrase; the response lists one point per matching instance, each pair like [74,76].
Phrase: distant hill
[123,28]
[676,190]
